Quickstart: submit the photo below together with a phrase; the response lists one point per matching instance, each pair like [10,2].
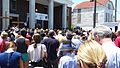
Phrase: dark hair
[51,33]
[69,35]
[23,32]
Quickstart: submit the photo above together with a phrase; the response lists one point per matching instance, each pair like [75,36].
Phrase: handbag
[43,62]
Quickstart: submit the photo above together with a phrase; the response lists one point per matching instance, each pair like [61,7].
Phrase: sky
[118,4]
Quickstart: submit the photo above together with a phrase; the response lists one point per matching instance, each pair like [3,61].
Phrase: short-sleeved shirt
[21,45]
[117,41]
[113,54]
[68,61]
[10,60]
[35,53]
[2,45]
[52,45]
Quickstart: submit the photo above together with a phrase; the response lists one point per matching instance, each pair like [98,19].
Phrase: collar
[67,54]
[9,50]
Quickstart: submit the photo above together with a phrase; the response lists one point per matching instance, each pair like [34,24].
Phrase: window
[79,10]
[96,17]
[79,18]
[111,18]
[109,6]
[106,17]
[68,11]
[13,4]
[75,10]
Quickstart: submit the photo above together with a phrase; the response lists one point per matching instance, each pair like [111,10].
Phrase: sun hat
[66,46]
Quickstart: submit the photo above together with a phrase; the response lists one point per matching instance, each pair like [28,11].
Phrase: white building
[83,13]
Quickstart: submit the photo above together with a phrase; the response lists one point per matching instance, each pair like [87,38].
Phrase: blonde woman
[91,55]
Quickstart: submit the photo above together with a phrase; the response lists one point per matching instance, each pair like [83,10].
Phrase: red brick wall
[22,9]
[0,7]
[42,8]
[58,17]
[69,17]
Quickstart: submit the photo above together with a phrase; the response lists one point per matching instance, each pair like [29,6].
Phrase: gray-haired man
[103,35]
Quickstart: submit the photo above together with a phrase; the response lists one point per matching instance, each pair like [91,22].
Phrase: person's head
[36,38]
[23,32]
[67,47]
[69,35]
[12,45]
[4,35]
[91,55]
[51,33]
[101,32]
[118,33]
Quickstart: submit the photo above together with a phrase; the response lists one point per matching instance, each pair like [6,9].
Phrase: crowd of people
[77,48]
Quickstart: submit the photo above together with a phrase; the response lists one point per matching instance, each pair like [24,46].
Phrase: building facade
[45,13]
[83,13]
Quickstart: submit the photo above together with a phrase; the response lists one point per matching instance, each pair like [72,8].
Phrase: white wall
[87,15]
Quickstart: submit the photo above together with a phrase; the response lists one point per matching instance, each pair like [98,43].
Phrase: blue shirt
[113,54]
[9,60]
[68,61]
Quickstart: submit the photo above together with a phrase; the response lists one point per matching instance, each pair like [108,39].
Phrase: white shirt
[113,54]
[35,53]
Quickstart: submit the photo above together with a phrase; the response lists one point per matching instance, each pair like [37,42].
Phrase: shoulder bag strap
[41,53]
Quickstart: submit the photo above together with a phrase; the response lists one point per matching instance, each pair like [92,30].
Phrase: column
[50,14]
[32,14]
[64,16]
[5,13]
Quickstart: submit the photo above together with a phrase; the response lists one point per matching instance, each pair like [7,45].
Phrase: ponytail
[35,45]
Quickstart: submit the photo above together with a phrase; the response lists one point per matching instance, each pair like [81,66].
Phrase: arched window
[109,6]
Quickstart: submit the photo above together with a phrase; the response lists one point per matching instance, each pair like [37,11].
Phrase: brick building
[46,13]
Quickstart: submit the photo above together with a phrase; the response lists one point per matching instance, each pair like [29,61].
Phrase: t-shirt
[9,60]
[117,41]
[35,53]
[2,45]
[52,45]
[21,45]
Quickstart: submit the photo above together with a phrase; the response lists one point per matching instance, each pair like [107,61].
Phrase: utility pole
[94,17]
[115,10]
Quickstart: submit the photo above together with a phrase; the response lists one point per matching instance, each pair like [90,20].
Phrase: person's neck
[106,40]
[10,50]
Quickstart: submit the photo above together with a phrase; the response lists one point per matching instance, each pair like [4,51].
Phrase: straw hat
[66,46]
